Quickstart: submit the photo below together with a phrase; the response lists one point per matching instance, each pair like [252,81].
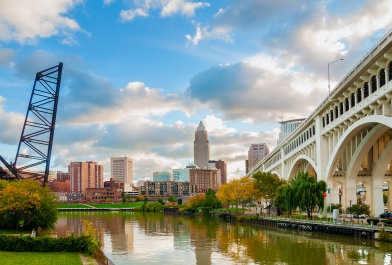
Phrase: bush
[81,244]
[387,222]
[375,220]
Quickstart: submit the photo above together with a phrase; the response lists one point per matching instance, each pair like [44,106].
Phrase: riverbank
[40,258]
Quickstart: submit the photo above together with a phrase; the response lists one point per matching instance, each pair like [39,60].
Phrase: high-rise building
[201,147]
[255,154]
[122,169]
[161,176]
[287,127]
[85,175]
[220,164]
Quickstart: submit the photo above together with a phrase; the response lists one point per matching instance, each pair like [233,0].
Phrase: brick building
[203,179]
[84,175]
[94,195]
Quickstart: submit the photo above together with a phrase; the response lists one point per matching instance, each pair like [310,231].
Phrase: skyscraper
[255,154]
[122,169]
[85,175]
[201,147]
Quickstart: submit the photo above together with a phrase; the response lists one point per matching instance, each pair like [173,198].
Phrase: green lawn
[105,205]
[72,206]
[39,258]
[117,205]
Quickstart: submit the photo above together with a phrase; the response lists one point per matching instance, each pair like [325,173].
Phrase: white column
[321,158]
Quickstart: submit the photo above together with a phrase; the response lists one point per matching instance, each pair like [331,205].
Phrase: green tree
[306,193]
[27,202]
[212,200]
[358,209]
[172,199]
[267,185]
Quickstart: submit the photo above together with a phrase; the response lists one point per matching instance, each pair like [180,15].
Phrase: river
[155,238]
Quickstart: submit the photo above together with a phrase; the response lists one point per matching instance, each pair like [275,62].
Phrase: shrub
[83,244]
[375,220]
[387,222]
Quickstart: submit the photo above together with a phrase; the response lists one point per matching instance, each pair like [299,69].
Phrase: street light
[329,89]
[351,217]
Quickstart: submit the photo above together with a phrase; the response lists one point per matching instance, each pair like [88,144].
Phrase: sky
[139,75]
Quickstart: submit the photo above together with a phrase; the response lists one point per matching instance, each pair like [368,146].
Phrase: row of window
[300,139]
[361,93]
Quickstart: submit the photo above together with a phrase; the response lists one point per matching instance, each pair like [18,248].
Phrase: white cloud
[25,20]
[108,2]
[166,7]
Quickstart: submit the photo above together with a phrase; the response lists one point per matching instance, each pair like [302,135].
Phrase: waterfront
[148,238]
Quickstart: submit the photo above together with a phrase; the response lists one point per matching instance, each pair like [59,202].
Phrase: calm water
[148,238]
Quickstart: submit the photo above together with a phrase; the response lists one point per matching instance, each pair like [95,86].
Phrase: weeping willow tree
[304,192]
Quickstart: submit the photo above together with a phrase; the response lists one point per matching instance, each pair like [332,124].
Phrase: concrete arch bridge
[346,141]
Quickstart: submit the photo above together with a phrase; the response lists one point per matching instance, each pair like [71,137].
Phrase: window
[366,90]
[347,103]
[359,95]
[374,84]
[382,77]
[352,99]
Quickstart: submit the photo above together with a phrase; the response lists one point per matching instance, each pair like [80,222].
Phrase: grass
[39,258]
[117,205]
[105,205]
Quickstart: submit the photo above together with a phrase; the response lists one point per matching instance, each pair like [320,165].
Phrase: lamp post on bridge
[329,64]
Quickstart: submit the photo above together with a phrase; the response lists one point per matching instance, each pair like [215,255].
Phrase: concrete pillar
[377,206]
[389,205]
[321,155]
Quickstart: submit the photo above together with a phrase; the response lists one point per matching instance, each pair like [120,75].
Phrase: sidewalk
[89,260]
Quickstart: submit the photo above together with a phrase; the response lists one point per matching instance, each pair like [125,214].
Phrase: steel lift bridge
[36,141]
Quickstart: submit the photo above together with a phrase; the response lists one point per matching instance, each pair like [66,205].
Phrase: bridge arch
[383,124]
[276,173]
[299,159]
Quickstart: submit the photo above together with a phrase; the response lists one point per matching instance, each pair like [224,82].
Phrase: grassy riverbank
[39,258]
[103,205]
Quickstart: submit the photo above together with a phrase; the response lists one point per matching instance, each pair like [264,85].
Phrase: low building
[112,183]
[63,196]
[94,195]
[164,189]
[59,185]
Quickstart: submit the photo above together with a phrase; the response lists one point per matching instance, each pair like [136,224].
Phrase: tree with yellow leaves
[237,191]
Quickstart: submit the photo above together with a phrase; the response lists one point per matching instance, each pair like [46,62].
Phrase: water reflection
[141,238]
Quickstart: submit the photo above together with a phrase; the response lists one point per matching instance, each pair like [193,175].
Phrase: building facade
[287,127]
[181,175]
[222,165]
[121,169]
[201,180]
[85,175]
[201,147]
[63,175]
[164,189]
[256,153]
[103,195]
[162,176]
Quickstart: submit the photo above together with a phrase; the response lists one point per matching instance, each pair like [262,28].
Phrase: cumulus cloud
[243,91]
[108,2]
[166,7]
[25,20]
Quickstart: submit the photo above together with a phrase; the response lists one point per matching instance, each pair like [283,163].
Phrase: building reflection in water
[145,238]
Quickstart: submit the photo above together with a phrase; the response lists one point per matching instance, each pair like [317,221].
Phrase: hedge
[375,220]
[387,222]
[83,244]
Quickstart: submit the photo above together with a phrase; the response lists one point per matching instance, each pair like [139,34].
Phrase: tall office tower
[201,147]
[222,165]
[122,169]
[287,127]
[85,175]
[255,154]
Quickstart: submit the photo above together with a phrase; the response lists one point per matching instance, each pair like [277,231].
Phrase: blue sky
[139,75]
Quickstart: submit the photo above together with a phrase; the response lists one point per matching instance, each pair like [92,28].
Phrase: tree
[358,209]
[211,200]
[197,201]
[237,191]
[172,199]
[267,185]
[308,193]
[27,202]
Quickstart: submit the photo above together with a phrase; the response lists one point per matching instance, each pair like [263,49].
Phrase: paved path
[87,260]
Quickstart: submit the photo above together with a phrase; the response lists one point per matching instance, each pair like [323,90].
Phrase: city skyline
[138,78]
